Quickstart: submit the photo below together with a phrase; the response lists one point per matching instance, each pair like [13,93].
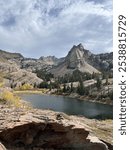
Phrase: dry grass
[28,92]
[10,98]
[31,91]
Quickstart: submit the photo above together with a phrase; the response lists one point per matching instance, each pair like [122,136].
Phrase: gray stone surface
[44,129]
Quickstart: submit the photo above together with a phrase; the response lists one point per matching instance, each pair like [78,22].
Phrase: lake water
[69,106]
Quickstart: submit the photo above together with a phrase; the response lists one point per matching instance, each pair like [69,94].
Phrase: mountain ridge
[9,55]
[78,58]
[81,59]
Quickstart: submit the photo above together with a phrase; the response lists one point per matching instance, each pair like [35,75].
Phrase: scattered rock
[59,117]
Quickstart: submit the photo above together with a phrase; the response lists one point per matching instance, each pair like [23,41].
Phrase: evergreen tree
[35,85]
[64,88]
[99,83]
[106,81]
[71,87]
[81,88]
[68,89]
[43,85]
[87,91]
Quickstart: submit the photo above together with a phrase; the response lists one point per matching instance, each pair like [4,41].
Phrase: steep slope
[103,61]
[10,70]
[8,55]
[75,60]
[17,76]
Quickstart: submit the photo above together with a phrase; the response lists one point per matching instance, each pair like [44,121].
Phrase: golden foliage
[26,86]
[1,84]
[10,98]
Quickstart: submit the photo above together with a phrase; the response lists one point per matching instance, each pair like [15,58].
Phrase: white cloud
[41,27]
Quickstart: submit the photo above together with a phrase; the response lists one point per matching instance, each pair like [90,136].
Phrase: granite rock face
[2,147]
[50,135]
[75,60]
[44,129]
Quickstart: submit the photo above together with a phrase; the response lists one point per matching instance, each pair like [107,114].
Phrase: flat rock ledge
[46,130]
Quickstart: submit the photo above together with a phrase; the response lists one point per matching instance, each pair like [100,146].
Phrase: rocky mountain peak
[80,46]
[75,57]
[75,60]
[77,47]
[76,51]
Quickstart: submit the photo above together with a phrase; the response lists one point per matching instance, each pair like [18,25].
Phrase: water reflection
[70,106]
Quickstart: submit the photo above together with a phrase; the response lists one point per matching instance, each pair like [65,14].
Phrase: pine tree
[99,83]
[64,88]
[71,87]
[68,89]
[81,88]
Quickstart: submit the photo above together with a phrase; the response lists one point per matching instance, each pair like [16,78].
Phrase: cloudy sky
[51,27]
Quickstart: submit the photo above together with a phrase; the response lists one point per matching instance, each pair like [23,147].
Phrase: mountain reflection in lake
[69,106]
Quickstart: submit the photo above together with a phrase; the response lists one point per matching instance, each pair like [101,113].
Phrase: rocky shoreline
[86,98]
[34,129]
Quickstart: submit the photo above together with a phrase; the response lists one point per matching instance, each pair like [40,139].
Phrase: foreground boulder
[39,130]
[2,147]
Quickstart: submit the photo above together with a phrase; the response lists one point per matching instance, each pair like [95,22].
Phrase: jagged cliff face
[78,58]
[75,60]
